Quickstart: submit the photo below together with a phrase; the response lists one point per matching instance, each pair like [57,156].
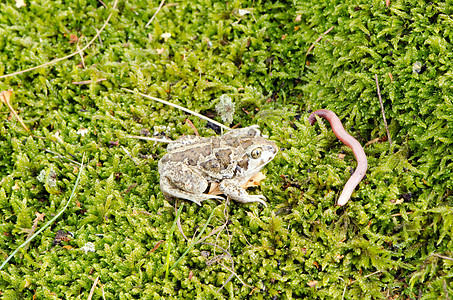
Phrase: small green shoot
[169,239]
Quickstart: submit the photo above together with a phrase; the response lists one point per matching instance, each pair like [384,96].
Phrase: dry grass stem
[100,39]
[67,56]
[366,276]
[188,122]
[158,9]
[319,38]
[441,256]
[178,221]
[5,96]
[103,3]
[128,154]
[179,107]
[92,288]
[145,138]
[382,108]
[372,141]
[61,156]
[400,214]
[232,270]
[81,55]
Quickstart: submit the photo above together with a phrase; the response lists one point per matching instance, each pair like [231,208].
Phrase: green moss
[393,239]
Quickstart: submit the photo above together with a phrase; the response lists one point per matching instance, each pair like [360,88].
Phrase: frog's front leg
[232,189]
[181,181]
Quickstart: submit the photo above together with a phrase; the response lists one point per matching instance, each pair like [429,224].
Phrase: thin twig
[179,107]
[158,9]
[366,276]
[318,39]
[88,81]
[67,56]
[382,108]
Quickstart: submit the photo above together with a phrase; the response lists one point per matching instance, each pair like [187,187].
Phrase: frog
[193,163]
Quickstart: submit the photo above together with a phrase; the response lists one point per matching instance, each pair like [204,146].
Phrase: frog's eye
[256,152]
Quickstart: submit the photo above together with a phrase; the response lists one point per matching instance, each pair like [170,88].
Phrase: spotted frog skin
[192,163]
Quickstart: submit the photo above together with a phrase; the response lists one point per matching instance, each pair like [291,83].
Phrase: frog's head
[256,155]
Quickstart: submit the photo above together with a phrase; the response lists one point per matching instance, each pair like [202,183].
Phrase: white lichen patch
[225,108]
[88,247]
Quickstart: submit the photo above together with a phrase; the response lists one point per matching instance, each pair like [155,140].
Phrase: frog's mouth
[270,153]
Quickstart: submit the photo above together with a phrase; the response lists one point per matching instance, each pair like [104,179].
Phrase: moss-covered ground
[392,240]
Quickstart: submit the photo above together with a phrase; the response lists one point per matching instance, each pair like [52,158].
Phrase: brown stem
[352,143]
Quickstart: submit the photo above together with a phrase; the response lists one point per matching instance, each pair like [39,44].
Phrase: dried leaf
[214,189]
[16,186]
[39,217]
[73,39]
[5,97]
[397,201]
[312,283]
[82,131]
[255,180]
[156,246]
[61,236]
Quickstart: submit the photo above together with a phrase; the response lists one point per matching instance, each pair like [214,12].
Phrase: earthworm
[352,143]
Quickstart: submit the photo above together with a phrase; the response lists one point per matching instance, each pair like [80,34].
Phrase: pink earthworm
[352,143]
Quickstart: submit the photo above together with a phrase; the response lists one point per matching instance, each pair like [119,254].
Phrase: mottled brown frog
[192,163]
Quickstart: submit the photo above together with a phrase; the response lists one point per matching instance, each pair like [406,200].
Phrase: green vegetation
[394,239]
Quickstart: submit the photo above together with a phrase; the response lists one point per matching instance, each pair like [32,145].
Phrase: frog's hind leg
[232,190]
[185,183]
